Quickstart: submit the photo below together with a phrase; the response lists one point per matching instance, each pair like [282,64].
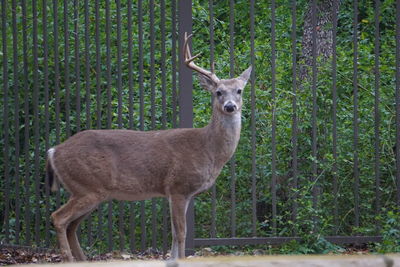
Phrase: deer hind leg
[73,239]
[178,206]
[75,208]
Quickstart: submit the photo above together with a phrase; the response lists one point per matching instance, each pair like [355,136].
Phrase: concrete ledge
[100,263]
[395,258]
[290,261]
[390,260]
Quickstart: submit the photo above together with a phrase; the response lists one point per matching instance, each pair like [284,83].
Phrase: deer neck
[223,133]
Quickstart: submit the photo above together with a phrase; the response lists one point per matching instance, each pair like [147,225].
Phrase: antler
[189,61]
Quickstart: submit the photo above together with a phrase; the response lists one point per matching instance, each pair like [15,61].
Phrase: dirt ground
[9,255]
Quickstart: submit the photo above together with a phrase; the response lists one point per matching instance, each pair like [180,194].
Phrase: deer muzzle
[230,107]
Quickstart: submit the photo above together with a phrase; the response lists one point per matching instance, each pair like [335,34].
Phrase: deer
[127,165]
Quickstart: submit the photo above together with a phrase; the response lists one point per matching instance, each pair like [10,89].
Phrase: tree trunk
[324,12]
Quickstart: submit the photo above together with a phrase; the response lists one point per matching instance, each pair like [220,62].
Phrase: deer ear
[206,82]
[245,75]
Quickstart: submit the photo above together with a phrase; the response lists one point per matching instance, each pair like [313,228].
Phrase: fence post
[186,100]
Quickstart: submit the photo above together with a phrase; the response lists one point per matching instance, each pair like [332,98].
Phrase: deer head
[227,93]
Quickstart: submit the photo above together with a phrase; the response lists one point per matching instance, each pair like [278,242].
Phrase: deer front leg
[178,206]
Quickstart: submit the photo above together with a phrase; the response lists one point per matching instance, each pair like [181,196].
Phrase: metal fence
[74,65]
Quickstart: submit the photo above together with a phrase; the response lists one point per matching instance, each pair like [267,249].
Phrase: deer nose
[230,107]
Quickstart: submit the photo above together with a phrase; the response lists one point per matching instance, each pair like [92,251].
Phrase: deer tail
[53,181]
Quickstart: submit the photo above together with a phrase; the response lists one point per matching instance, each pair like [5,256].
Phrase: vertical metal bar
[398,100]
[27,219]
[186,100]
[152,67]
[130,65]
[77,66]
[213,229]
[98,69]
[132,224]
[57,75]
[377,114]
[130,85]
[164,121]
[231,38]
[294,117]
[6,123]
[110,242]
[273,133]
[98,103]
[334,120]
[314,109]
[66,70]
[87,71]
[211,28]
[173,59]
[119,88]
[232,75]
[153,117]
[16,122]
[140,41]
[36,121]
[163,70]
[143,239]
[108,64]
[88,113]
[47,117]
[253,124]
[119,63]
[355,117]
[56,83]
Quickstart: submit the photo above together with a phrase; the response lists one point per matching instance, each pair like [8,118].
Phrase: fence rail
[320,141]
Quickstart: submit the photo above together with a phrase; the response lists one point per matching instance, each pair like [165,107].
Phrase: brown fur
[99,165]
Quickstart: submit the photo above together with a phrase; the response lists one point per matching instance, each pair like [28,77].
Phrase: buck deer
[99,165]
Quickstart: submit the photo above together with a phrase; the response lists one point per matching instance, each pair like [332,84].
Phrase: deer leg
[178,206]
[72,210]
[73,239]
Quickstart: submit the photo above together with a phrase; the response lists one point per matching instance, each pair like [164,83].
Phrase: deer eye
[219,93]
[239,91]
